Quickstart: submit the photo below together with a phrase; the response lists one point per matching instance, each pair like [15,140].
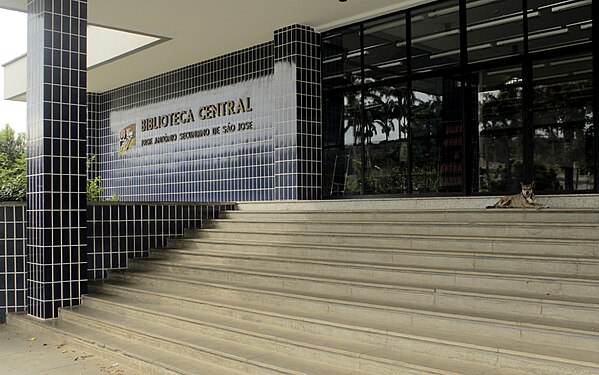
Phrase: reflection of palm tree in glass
[500,138]
[354,120]
[564,108]
[426,113]
[353,116]
[389,108]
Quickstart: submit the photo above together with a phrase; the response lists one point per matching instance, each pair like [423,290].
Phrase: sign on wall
[201,115]
[183,120]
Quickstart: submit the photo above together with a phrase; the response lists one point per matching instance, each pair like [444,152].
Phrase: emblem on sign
[127,139]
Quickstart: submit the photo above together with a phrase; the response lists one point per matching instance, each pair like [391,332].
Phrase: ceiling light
[560,8]
[390,64]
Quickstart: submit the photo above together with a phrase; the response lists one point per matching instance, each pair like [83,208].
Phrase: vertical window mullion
[409,101]
[595,16]
[466,162]
[362,112]
[527,123]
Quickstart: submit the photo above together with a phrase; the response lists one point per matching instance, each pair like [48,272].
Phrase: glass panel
[494,29]
[343,149]
[341,58]
[435,36]
[563,121]
[437,135]
[558,23]
[386,140]
[500,129]
[385,48]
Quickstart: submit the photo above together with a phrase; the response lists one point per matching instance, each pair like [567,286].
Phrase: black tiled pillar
[297,114]
[56,151]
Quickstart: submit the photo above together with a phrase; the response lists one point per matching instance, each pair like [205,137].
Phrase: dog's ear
[521,184]
[532,184]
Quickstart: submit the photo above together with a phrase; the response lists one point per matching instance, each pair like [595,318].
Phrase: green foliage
[13,171]
[12,145]
[13,175]
[94,187]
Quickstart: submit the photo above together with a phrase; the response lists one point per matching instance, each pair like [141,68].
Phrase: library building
[308,187]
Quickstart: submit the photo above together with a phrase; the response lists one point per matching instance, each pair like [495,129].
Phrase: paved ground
[22,354]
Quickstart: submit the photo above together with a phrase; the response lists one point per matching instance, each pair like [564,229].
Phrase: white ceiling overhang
[190,31]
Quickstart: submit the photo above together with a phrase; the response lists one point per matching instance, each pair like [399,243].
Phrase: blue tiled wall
[56,152]
[297,122]
[12,258]
[121,231]
[278,158]
[116,232]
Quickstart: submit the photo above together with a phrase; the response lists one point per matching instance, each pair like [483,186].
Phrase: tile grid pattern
[56,150]
[94,113]
[234,67]
[121,231]
[280,160]
[116,232]
[298,123]
[12,258]
[180,173]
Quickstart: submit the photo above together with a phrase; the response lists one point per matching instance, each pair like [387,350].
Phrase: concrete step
[385,331]
[574,248]
[399,317]
[559,202]
[582,216]
[144,358]
[301,273]
[439,228]
[191,249]
[520,248]
[282,339]
[470,301]
[172,339]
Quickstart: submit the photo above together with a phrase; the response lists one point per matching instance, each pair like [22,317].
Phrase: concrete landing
[26,354]
[578,201]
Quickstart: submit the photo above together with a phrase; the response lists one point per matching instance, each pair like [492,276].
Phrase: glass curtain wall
[462,97]
[384,106]
[563,124]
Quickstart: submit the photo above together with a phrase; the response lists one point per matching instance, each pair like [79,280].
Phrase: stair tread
[363,249]
[482,256]
[588,301]
[559,325]
[377,222]
[446,271]
[132,349]
[305,233]
[309,339]
[544,211]
[230,349]
[380,326]
[582,302]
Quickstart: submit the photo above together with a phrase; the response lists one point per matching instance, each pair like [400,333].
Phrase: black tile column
[56,151]
[297,114]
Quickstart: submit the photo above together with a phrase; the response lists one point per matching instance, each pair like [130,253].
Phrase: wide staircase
[272,289]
